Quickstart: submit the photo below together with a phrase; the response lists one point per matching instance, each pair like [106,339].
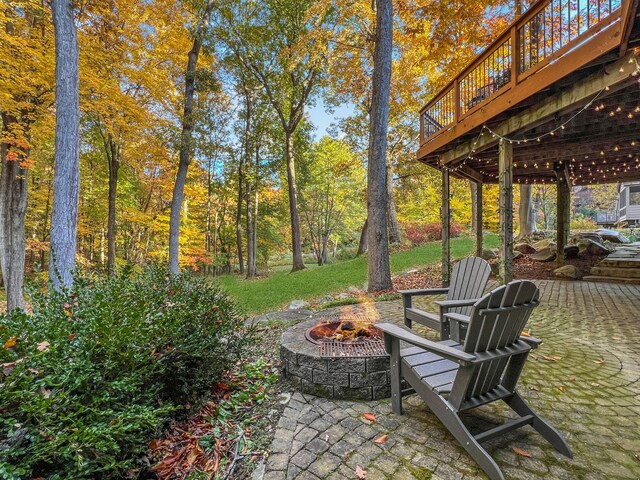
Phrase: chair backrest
[468,280]
[497,321]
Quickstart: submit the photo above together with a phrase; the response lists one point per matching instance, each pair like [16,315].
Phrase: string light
[485,129]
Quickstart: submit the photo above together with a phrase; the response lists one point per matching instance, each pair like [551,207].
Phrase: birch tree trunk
[13,207]
[186,140]
[379,268]
[66,180]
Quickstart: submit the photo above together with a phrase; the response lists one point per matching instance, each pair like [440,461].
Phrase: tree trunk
[114,160]
[392,215]
[186,140]
[239,218]
[251,256]
[362,244]
[13,207]
[66,180]
[526,212]
[474,206]
[379,268]
[207,233]
[296,242]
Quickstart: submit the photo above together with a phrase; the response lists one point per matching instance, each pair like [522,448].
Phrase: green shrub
[94,373]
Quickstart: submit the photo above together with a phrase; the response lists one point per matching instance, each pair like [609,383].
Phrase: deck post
[563,202]
[476,188]
[445,213]
[505,169]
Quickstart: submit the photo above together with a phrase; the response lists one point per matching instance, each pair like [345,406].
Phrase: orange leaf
[552,358]
[11,342]
[360,472]
[519,451]
[42,346]
[72,337]
[382,439]
[370,416]
[526,334]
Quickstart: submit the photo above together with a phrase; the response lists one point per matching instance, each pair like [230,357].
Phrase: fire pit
[337,358]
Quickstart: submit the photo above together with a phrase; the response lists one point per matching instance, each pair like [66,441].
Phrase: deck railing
[549,30]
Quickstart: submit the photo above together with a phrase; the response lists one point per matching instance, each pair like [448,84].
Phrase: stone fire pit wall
[344,378]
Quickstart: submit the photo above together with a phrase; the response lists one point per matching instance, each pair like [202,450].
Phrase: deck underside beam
[615,75]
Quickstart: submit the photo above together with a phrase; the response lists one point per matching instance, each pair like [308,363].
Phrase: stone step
[601,278]
[620,262]
[609,271]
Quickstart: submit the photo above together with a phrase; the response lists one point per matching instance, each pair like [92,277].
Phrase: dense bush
[94,373]
[421,233]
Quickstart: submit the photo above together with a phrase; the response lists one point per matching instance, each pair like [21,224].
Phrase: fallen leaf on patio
[326,437]
[360,472]
[382,439]
[526,334]
[572,378]
[42,346]
[370,416]
[594,384]
[616,338]
[534,388]
[550,359]
[519,451]
[561,388]
[600,361]
[11,342]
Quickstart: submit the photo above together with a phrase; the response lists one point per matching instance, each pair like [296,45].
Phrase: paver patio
[583,379]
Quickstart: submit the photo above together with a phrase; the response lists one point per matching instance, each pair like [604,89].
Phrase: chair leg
[522,408]
[396,377]
[452,422]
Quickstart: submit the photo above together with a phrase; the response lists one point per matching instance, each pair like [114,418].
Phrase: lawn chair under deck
[468,281]
[453,378]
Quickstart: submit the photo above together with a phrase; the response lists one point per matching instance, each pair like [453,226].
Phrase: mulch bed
[523,268]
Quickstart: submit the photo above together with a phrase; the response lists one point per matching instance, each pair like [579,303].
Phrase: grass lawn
[276,291]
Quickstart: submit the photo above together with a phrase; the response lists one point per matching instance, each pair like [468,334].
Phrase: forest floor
[276,291]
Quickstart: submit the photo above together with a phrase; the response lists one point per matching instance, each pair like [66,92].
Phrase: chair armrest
[425,291]
[457,317]
[394,331]
[535,342]
[447,304]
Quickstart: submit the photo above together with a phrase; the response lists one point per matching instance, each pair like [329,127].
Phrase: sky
[323,120]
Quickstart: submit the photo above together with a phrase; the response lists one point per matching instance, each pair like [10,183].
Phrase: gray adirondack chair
[468,281]
[453,378]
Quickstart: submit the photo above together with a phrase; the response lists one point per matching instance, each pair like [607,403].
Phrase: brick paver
[591,393]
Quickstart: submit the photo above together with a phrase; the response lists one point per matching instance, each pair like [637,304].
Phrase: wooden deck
[551,62]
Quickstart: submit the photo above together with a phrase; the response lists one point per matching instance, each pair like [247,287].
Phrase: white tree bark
[379,268]
[66,180]
[526,212]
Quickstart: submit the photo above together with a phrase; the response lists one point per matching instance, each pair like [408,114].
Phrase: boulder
[571,251]
[489,254]
[612,236]
[578,237]
[524,248]
[544,255]
[567,271]
[591,247]
[298,305]
[542,244]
